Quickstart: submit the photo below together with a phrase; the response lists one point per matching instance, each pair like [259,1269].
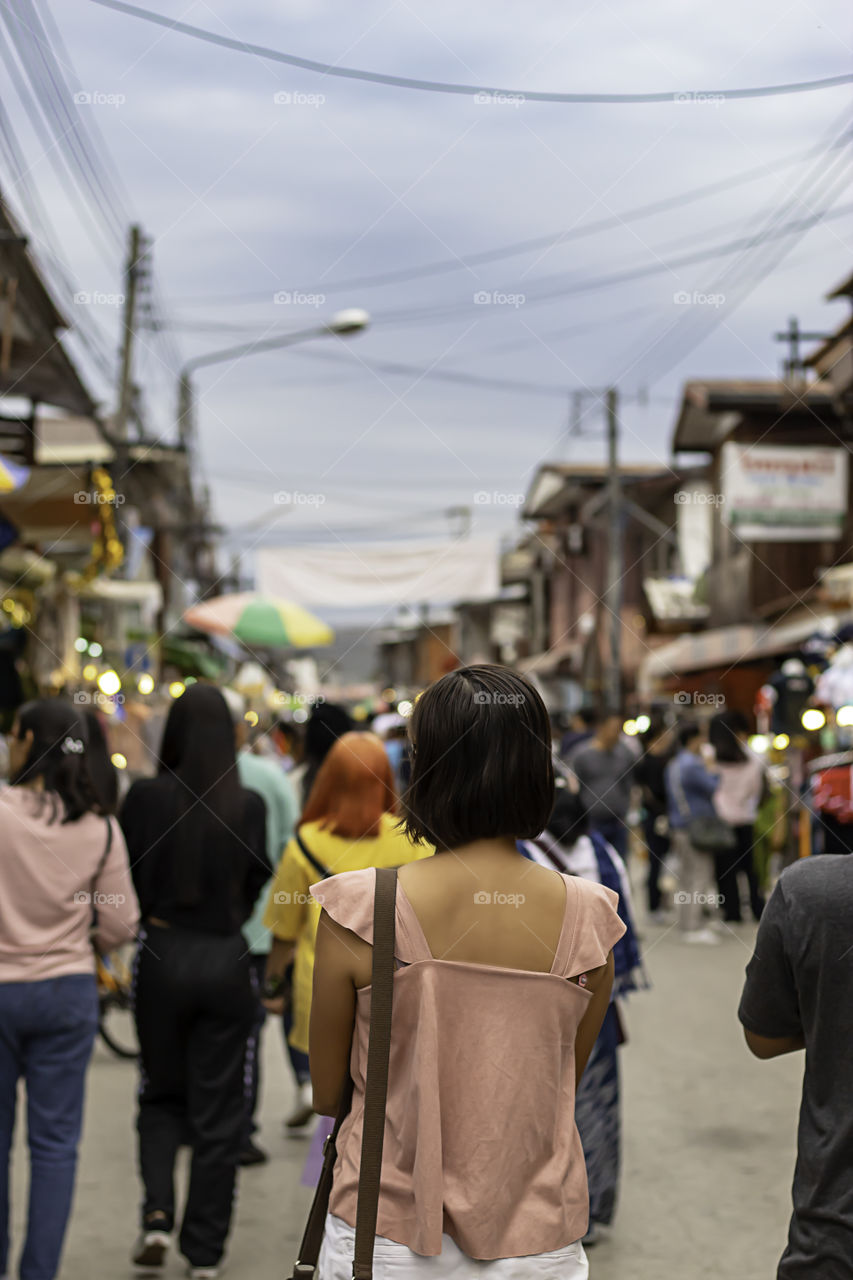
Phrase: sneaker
[705,937]
[150,1250]
[252,1154]
[202,1273]
[304,1109]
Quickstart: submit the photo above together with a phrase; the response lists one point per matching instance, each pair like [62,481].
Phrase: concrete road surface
[708,1161]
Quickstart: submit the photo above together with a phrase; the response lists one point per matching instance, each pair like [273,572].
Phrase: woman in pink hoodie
[64,868]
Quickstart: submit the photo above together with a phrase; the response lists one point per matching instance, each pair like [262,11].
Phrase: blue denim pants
[46,1033]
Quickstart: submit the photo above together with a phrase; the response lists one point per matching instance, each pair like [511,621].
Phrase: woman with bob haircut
[64,869]
[504,971]
[349,823]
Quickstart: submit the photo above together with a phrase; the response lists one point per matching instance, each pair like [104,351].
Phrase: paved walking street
[394,465]
[710,1142]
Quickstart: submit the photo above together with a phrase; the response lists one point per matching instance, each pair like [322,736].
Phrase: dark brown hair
[481,746]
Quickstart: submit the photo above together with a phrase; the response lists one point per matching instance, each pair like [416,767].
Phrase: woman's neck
[494,849]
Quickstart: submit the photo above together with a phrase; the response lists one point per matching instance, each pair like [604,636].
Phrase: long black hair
[102,772]
[199,751]
[57,757]
[723,736]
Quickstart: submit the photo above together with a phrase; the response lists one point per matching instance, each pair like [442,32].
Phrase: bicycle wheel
[116,1025]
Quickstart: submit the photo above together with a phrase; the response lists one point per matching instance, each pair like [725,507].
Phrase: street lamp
[343,324]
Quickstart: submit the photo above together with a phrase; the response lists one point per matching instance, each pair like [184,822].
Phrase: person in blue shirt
[690,787]
[277,792]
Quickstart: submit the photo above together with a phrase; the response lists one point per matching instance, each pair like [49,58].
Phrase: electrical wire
[437,86]
[772,240]
[444,266]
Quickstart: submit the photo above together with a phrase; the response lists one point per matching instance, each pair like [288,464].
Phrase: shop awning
[546,663]
[727,647]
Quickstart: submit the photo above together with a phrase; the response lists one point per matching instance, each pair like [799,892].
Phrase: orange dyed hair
[354,787]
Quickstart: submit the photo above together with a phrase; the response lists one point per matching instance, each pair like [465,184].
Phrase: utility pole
[125,386]
[121,461]
[615,568]
[794,335]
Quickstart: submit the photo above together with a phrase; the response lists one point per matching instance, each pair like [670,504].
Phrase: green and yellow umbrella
[261,621]
[12,475]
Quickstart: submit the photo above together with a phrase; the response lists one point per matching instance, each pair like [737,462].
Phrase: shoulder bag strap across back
[322,871]
[378,1055]
[384,907]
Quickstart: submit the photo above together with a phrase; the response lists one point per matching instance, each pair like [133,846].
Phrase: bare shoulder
[341,950]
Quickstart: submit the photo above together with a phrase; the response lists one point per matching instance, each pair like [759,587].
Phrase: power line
[438,86]
[770,243]
[443,266]
[593,283]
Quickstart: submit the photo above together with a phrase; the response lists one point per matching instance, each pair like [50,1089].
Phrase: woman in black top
[649,774]
[197,844]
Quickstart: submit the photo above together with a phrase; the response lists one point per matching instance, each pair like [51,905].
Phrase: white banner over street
[382,573]
[784,493]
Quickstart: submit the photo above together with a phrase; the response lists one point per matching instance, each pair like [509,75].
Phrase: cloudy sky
[274,195]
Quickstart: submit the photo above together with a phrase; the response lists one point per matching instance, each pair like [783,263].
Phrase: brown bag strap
[378,1055]
[312,1239]
[376,1089]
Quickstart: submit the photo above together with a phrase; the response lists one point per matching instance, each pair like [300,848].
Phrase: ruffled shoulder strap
[596,928]
[348,898]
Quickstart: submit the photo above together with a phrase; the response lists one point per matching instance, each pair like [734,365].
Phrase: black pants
[658,847]
[253,1048]
[729,864]
[194,1011]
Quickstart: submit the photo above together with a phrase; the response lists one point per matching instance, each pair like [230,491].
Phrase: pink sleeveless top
[480,1136]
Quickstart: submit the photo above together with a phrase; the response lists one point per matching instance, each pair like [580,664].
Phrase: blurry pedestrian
[736,800]
[567,845]
[197,842]
[690,788]
[102,771]
[604,767]
[326,724]
[288,738]
[650,775]
[503,978]
[395,737]
[798,995]
[275,789]
[581,728]
[63,867]
[349,823]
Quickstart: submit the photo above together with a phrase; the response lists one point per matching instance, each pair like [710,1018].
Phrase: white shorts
[392,1261]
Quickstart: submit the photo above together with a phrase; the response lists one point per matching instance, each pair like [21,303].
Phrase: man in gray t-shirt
[799,994]
[604,767]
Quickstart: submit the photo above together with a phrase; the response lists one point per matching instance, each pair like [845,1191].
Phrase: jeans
[46,1033]
[615,832]
[194,1013]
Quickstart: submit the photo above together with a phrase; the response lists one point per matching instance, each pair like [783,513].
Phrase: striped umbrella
[12,475]
[260,620]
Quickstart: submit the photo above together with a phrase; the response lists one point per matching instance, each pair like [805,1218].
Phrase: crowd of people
[247,880]
[700,789]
